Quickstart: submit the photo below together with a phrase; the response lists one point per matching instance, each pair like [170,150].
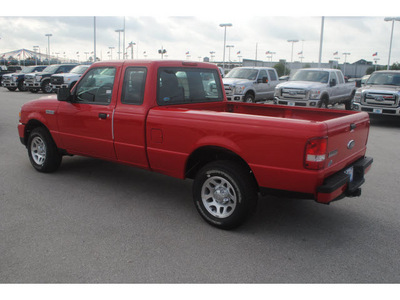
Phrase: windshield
[79,69]
[26,70]
[250,74]
[51,69]
[311,75]
[384,79]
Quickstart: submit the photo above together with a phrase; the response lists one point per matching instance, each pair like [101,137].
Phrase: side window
[333,76]
[262,74]
[134,83]
[340,77]
[272,75]
[97,86]
[186,85]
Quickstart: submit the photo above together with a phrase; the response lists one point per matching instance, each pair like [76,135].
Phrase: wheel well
[32,124]
[251,92]
[205,155]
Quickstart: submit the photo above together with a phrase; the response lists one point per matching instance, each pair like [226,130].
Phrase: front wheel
[42,151]
[249,98]
[46,87]
[225,194]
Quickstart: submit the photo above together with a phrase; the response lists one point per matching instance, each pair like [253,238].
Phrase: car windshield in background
[51,69]
[79,69]
[26,70]
[250,74]
[311,75]
[384,79]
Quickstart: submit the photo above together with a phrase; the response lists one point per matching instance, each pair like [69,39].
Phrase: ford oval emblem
[351,144]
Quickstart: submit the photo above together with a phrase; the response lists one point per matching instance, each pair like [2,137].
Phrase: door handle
[102,116]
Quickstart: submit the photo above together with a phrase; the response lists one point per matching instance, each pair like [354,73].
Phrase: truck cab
[250,84]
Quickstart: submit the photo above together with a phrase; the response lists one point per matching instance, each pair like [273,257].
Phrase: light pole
[119,42]
[162,51]
[345,60]
[48,44]
[224,25]
[111,48]
[229,51]
[291,60]
[35,48]
[388,19]
[131,46]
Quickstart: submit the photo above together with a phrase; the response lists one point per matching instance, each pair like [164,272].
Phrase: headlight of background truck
[38,78]
[357,97]
[315,94]
[239,89]
[14,78]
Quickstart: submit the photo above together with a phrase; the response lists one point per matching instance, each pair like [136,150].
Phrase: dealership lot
[94,221]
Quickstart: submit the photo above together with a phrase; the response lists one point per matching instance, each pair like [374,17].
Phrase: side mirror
[263,80]
[358,83]
[64,94]
[332,82]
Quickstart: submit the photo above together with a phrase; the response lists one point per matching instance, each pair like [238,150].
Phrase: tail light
[315,153]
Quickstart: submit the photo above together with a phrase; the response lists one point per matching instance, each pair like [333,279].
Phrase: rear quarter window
[188,85]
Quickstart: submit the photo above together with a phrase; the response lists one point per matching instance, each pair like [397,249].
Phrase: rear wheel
[11,89]
[225,194]
[42,151]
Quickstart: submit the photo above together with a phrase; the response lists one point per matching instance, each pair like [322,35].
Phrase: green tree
[281,69]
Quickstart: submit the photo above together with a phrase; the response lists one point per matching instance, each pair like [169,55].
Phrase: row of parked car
[44,78]
[379,94]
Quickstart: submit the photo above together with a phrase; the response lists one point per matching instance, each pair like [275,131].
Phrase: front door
[86,122]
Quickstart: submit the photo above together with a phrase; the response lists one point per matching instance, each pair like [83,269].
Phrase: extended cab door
[130,118]
[85,123]
[262,85]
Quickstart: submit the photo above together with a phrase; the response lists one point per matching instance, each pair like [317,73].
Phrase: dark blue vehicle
[12,81]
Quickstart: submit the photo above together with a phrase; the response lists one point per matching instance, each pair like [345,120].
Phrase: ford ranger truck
[316,88]
[173,117]
[35,82]
[250,84]
[67,80]
[380,94]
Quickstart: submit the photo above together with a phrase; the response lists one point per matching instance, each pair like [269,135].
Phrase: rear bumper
[341,185]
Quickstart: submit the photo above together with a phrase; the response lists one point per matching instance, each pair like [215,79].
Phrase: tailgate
[347,140]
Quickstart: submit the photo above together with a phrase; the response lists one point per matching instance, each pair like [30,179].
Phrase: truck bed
[273,147]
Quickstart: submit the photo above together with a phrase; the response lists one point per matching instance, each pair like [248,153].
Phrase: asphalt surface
[98,222]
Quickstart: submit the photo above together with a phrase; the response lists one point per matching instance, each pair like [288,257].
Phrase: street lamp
[224,25]
[345,60]
[119,42]
[35,48]
[229,51]
[388,19]
[48,44]
[111,48]
[291,60]
[162,51]
[131,46]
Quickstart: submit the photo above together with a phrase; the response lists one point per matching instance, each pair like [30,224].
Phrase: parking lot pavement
[99,222]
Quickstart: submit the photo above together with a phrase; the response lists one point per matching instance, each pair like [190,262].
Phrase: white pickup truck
[380,94]
[250,84]
[315,87]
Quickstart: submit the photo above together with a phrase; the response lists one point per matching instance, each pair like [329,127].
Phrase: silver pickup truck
[315,87]
[380,94]
[250,84]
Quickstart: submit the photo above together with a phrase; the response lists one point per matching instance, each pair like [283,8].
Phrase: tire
[42,151]
[46,87]
[13,89]
[249,98]
[324,101]
[225,194]
[21,86]
[348,105]
[34,91]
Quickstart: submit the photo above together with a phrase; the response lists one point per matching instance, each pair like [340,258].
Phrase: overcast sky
[185,26]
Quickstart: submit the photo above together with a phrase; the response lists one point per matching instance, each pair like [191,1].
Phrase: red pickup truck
[172,117]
